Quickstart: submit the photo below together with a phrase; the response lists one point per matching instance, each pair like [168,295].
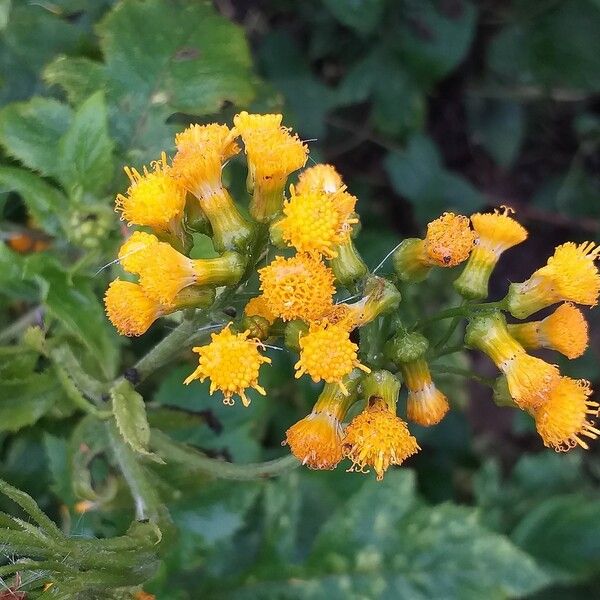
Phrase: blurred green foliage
[425,106]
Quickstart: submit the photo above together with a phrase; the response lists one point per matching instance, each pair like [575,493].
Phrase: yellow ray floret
[273,151]
[232,362]
[378,438]
[326,353]
[300,287]
[316,440]
[155,198]
[316,222]
[258,307]
[426,405]
[201,152]
[566,417]
[449,240]
[320,178]
[570,275]
[565,331]
[129,309]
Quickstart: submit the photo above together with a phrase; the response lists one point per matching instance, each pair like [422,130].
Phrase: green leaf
[498,125]
[16,362]
[563,534]
[85,151]
[44,202]
[24,401]
[418,175]
[73,302]
[58,463]
[543,50]
[432,40]
[4,13]
[129,411]
[360,15]
[384,543]
[167,57]
[29,132]
[80,77]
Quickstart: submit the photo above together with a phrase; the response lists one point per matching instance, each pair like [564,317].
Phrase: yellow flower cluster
[297,239]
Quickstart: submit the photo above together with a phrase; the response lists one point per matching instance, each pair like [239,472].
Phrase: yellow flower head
[129,309]
[316,440]
[565,331]
[201,152]
[232,362]
[378,438]
[155,198]
[326,353]
[273,151]
[300,287]
[567,415]
[426,405]
[495,233]
[316,222]
[258,307]
[529,379]
[570,275]
[449,240]
[320,178]
[133,254]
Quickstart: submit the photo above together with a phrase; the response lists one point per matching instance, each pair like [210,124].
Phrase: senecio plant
[298,240]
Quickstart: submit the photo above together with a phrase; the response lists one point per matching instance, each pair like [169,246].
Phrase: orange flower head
[155,198]
[565,331]
[316,222]
[232,363]
[300,287]
[316,440]
[320,178]
[570,275]
[566,417]
[377,438]
[201,152]
[497,232]
[129,309]
[449,240]
[426,405]
[258,307]
[326,353]
[133,254]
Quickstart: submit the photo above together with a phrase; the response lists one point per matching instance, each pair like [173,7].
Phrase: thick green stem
[179,453]
[459,311]
[448,370]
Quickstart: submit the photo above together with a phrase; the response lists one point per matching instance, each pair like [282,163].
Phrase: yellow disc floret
[300,287]
[320,178]
[232,362]
[316,440]
[129,309]
[449,240]
[570,275]
[258,307]
[567,415]
[565,331]
[316,222]
[201,152]
[155,198]
[378,438]
[326,353]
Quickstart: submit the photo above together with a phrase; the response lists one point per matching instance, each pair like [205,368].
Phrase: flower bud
[348,266]
[406,347]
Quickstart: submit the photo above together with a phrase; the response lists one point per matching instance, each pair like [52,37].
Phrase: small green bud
[408,261]
[293,331]
[348,266]
[406,347]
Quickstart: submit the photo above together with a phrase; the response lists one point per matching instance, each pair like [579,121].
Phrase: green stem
[448,350]
[448,370]
[220,469]
[458,311]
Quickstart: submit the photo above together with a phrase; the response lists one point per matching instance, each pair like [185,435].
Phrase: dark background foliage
[423,106]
